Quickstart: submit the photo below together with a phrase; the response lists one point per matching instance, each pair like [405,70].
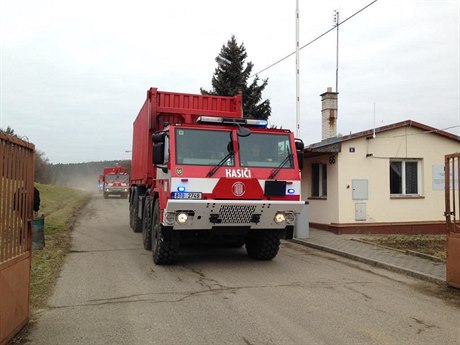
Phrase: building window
[404,177]
[319,180]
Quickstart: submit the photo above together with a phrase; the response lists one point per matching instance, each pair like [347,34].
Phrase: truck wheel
[164,251]
[131,225]
[263,244]
[105,195]
[147,224]
[131,209]
[135,222]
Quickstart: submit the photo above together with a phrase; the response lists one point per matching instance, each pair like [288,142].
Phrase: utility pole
[297,68]
[337,23]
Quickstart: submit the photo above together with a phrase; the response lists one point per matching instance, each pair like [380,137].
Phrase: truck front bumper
[116,190]
[209,214]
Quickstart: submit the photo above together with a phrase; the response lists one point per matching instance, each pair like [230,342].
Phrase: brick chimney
[329,114]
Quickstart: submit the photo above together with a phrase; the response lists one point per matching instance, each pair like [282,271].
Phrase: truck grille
[231,214]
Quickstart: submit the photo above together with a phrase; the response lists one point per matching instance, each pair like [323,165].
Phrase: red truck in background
[114,181]
[201,172]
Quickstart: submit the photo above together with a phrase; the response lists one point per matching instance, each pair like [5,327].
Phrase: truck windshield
[202,147]
[113,178]
[265,150]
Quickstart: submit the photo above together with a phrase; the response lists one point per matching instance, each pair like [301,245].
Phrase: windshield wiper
[275,172]
[218,165]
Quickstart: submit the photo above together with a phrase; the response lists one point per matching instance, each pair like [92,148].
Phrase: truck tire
[134,220]
[105,195]
[131,215]
[164,251]
[147,224]
[263,244]
[131,206]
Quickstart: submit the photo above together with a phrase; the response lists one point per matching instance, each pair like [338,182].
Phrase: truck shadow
[221,255]
[207,252]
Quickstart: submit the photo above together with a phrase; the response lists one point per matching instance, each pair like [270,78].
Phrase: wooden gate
[452,190]
[16,211]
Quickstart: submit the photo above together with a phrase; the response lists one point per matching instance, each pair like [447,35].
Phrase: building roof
[332,145]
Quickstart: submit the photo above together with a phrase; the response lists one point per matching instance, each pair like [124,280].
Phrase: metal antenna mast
[297,67]
[337,23]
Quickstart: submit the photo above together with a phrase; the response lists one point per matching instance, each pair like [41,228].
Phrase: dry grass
[432,245]
[60,206]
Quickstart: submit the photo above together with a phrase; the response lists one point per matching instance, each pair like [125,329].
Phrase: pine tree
[9,131]
[230,78]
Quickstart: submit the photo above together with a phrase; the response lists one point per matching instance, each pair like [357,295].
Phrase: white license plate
[186,195]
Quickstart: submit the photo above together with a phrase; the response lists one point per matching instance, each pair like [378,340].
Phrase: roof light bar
[259,123]
[208,119]
[232,121]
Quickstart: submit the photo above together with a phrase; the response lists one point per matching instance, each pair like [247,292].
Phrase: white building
[387,180]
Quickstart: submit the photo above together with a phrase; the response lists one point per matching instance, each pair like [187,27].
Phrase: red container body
[161,108]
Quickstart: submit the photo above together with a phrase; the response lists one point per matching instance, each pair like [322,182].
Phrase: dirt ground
[430,245]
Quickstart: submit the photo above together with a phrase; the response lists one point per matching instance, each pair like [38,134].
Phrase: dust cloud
[82,176]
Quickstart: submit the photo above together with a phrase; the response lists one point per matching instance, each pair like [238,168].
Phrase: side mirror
[158,138]
[299,145]
[300,158]
[158,153]
[243,132]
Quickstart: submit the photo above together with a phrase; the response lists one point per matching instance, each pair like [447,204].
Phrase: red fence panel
[452,213]
[16,211]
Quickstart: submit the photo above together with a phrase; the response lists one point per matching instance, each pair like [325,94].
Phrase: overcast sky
[74,74]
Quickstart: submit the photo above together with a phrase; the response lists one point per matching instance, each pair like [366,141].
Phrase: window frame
[403,176]
[319,182]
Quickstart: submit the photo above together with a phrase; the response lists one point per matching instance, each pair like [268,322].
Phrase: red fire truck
[115,181]
[201,172]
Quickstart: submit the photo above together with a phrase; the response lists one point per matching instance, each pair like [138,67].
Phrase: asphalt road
[110,292]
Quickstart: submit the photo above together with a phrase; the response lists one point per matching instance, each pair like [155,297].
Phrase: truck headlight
[279,217]
[181,218]
[169,217]
[290,218]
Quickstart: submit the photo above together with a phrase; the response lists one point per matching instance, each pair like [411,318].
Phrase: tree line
[76,175]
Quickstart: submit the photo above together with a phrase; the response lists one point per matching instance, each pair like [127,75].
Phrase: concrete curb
[375,263]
